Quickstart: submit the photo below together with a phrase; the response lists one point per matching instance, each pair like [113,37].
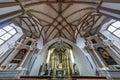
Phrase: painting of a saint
[105,55]
[21,54]
[29,43]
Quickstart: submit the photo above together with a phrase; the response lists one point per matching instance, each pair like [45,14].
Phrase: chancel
[60,39]
[60,59]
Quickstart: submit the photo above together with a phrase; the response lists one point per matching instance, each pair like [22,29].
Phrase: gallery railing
[12,73]
[110,74]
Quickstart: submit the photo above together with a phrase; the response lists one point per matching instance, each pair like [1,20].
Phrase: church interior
[59,39]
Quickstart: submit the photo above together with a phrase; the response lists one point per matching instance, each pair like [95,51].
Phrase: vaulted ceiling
[58,19]
[51,19]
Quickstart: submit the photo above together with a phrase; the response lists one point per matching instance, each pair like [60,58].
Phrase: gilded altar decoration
[60,60]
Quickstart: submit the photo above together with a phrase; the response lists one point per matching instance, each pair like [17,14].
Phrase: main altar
[59,60]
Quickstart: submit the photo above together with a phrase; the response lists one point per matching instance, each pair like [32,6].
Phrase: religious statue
[59,66]
[48,70]
[75,69]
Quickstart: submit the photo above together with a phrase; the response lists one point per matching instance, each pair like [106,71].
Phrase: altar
[59,60]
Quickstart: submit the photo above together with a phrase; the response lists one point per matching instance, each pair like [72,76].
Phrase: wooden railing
[72,78]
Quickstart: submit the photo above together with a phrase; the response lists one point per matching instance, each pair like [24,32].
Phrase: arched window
[114,28]
[7,32]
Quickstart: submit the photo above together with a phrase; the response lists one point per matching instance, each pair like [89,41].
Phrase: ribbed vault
[59,19]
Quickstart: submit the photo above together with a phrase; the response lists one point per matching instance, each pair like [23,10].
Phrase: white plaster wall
[9,9]
[111,5]
[7,0]
[80,59]
[38,62]
[40,43]
[84,66]
[40,57]
[80,42]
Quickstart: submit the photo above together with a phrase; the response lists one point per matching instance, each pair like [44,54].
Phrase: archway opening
[60,60]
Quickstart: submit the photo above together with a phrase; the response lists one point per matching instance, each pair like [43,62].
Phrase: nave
[59,39]
[59,60]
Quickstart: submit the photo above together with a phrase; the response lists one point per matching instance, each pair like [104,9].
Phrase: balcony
[12,74]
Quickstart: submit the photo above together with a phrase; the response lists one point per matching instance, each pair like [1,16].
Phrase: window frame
[13,28]
[114,30]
